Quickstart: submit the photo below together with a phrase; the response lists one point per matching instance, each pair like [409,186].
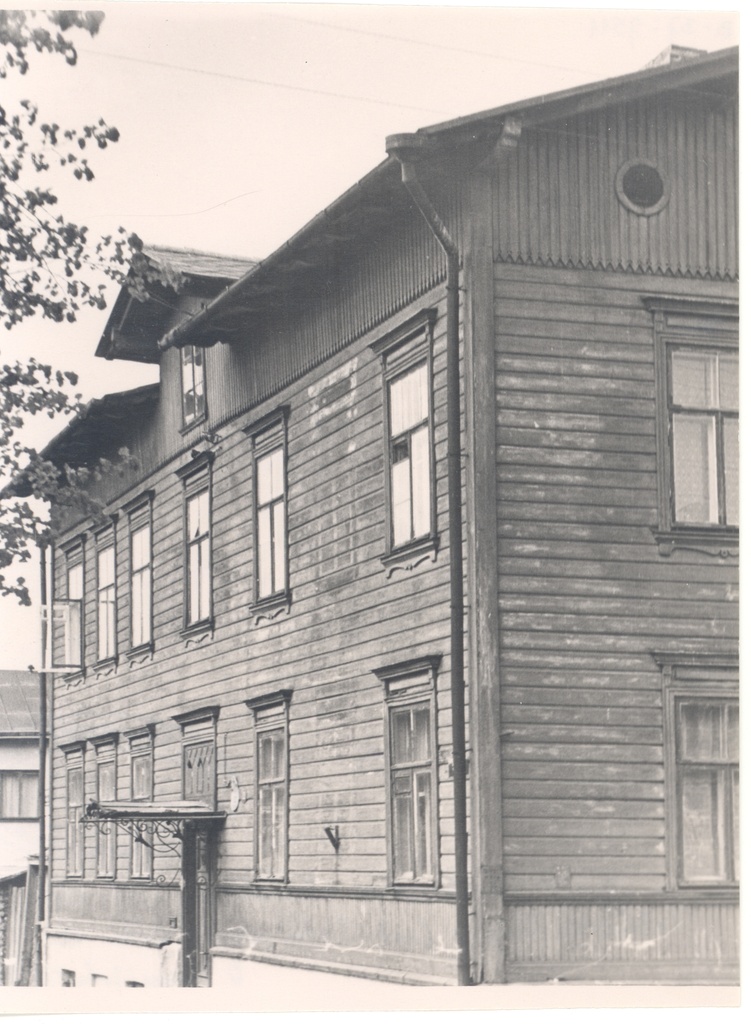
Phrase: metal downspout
[400,146]
[42,809]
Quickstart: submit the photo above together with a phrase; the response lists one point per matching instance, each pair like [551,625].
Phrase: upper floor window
[193,384]
[139,523]
[73,636]
[19,796]
[198,584]
[272,784]
[412,771]
[703,413]
[697,421]
[269,441]
[106,604]
[410,483]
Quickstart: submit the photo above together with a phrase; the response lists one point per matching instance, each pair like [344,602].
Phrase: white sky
[240,121]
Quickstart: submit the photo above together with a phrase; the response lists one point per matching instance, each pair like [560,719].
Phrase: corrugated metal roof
[19,703]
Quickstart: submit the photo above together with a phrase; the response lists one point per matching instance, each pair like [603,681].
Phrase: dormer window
[193,384]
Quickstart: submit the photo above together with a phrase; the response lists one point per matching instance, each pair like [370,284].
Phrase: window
[697,391]
[702,753]
[194,398]
[272,784]
[199,755]
[105,588]
[197,542]
[411,771]
[141,788]
[74,800]
[140,576]
[410,485]
[707,789]
[68,978]
[270,486]
[19,796]
[73,654]
[106,792]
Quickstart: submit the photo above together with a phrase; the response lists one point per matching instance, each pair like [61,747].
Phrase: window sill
[106,666]
[140,653]
[198,631]
[409,556]
[271,607]
[716,541]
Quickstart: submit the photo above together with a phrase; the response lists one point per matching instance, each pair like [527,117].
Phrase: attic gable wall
[555,202]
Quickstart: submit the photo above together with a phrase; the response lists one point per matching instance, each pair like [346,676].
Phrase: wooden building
[447,486]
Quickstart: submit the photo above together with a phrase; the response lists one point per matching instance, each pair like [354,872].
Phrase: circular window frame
[641,211]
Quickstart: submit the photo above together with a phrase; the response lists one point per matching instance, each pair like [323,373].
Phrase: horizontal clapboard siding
[556,203]
[584,595]
[347,618]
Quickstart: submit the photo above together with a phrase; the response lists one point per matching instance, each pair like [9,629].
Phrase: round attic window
[641,188]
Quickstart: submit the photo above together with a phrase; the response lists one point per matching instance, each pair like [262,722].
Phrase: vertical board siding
[636,938]
[556,201]
[584,595]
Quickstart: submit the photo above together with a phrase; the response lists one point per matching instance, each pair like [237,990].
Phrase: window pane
[194,569]
[421,482]
[731,457]
[733,740]
[198,514]
[702,808]
[280,567]
[205,580]
[736,828]
[695,469]
[10,797]
[277,473]
[402,832]
[141,776]
[29,795]
[265,478]
[701,732]
[729,382]
[75,582]
[695,383]
[264,552]
[141,608]
[106,781]
[421,726]
[106,623]
[401,737]
[106,567]
[408,400]
[401,504]
[140,548]
[75,786]
[423,814]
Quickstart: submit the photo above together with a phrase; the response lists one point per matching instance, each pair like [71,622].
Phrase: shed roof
[19,704]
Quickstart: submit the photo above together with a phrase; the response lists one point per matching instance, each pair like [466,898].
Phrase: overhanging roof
[135,810]
[713,74]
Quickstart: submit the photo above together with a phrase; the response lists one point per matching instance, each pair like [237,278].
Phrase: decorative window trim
[629,204]
[408,684]
[140,512]
[270,714]
[704,324]
[268,434]
[196,477]
[701,676]
[401,350]
[104,539]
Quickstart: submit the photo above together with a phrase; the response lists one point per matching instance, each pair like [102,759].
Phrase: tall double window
[106,605]
[74,808]
[141,751]
[140,550]
[411,767]
[272,783]
[269,445]
[105,749]
[198,586]
[408,390]
[193,384]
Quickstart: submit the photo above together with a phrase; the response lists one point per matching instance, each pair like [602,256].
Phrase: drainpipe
[405,148]
[42,809]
